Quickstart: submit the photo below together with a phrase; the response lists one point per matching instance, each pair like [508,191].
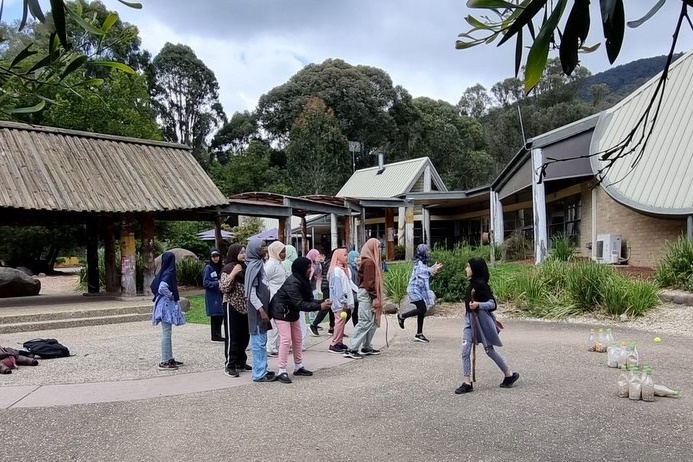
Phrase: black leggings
[236,338]
[355,312]
[321,315]
[420,312]
[216,323]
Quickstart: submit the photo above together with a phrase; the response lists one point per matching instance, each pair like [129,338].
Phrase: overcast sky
[255,45]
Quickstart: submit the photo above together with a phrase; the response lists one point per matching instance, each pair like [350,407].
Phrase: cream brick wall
[645,236]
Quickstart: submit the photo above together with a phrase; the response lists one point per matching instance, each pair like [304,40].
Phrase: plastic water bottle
[661,390]
[622,354]
[600,346]
[648,390]
[623,383]
[633,358]
[612,353]
[634,384]
[609,337]
[592,340]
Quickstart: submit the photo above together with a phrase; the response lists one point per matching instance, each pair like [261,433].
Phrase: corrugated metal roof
[395,180]
[43,168]
[660,182]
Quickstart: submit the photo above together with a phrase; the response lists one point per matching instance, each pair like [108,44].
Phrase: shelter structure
[115,186]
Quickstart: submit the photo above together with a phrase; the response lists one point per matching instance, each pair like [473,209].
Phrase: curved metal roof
[660,182]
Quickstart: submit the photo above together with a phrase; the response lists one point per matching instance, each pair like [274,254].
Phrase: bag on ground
[46,348]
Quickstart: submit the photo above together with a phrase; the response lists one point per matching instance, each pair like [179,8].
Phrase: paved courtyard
[397,406]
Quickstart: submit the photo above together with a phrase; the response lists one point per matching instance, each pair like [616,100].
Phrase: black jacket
[292,298]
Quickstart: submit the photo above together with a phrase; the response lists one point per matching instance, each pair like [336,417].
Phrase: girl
[293,298]
[342,296]
[354,262]
[418,290]
[318,259]
[231,283]
[480,325]
[213,296]
[167,308]
[370,297]
[258,295]
[276,275]
[290,256]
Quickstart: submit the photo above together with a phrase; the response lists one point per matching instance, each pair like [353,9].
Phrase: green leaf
[607,8]
[489,4]
[35,9]
[576,29]
[89,83]
[518,54]
[590,49]
[137,6]
[22,55]
[53,43]
[25,15]
[652,12]
[116,65]
[73,66]
[45,61]
[82,23]
[108,22]
[614,28]
[475,23]
[27,110]
[538,53]
[526,16]
[58,12]
[461,45]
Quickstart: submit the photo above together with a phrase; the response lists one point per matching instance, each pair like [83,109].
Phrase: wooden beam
[148,250]
[109,242]
[93,284]
[128,285]
[389,234]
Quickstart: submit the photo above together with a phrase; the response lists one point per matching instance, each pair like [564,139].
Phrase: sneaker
[314,331]
[177,363]
[464,388]
[231,372]
[266,378]
[369,351]
[508,381]
[420,338]
[303,372]
[336,349]
[400,321]
[218,340]
[243,367]
[319,327]
[352,354]
[343,346]
[283,378]
[330,331]
[168,365]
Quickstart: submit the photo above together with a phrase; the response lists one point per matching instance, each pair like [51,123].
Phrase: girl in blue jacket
[213,296]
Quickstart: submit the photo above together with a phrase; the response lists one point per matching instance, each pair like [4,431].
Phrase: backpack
[46,348]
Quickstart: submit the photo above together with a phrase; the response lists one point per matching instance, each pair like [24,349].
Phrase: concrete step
[77,313]
[74,322]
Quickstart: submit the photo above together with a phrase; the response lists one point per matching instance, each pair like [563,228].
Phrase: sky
[254,45]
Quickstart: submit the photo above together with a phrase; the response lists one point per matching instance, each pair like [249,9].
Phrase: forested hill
[623,79]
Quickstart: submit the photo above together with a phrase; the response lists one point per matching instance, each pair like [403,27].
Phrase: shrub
[400,252]
[562,248]
[189,272]
[584,282]
[516,247]
[450,283]
[396,281]
[676,268]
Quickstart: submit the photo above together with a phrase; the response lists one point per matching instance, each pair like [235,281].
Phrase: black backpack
[46,348]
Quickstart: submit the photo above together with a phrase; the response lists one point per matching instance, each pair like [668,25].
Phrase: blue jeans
[258,345]
[166,348]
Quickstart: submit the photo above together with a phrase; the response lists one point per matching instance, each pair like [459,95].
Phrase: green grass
[197,314]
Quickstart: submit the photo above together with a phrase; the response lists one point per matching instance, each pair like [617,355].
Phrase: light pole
[354,147]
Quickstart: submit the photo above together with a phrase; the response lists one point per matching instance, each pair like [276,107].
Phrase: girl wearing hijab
[419,290]
[232,285]
[318,260]
[258,308]
[480,325]
[370,297]
[342,295]
[291,256]
[167,308]
[276,275]
[293,298]
[354,262]
[213,296]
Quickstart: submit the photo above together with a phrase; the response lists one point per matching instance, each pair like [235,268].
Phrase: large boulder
[181,254]
[16,283]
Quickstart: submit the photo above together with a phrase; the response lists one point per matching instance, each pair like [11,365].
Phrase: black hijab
[232,261]
[218,265]
[298,270]
[478,289]
[167,274]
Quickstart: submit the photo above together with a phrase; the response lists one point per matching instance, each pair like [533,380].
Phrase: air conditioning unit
[608,248]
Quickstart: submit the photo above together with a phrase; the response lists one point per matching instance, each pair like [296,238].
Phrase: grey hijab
[254,271]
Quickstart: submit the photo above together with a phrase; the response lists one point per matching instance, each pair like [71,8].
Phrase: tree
[474,102]
[359,96]
[235,135]
[26,74]
[186,97]
[318,159]
[408,127]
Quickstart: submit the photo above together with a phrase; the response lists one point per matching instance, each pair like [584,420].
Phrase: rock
[390,308]
[16,283]
[42,275]
[181,254]
[184,304]
[25,270]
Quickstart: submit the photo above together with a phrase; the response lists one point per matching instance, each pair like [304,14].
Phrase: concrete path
[397,406]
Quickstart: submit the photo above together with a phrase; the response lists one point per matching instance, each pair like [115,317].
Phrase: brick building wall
[644,236]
